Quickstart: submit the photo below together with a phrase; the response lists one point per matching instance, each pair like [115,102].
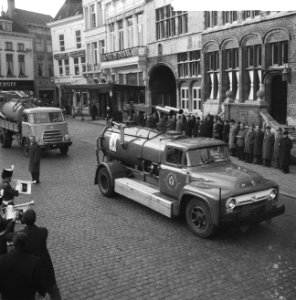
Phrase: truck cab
[48,125]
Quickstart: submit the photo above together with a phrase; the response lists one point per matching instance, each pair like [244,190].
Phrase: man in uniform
[285,146]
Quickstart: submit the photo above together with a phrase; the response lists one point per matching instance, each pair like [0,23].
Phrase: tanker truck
[20,119]
[180,176]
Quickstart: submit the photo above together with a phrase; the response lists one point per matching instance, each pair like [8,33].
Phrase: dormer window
[5,25]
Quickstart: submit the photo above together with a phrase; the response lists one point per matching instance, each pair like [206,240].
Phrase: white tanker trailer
[20,120]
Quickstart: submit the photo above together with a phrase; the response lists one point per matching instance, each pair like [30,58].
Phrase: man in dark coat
[268,144]
[226,130]
[258,144]
[233,131]
[285,146]
[249,144]
[36,245]
[21,275]
[276,153]
[240,141]
[207,129]
[8,192]
[34,160]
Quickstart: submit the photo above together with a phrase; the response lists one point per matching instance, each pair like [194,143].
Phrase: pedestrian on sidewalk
[249,144]
[233,131]
[258,145]
[285,146]
[37,245]
[34,159]
[240,141]
[21,275]
[268,145]
[277,139]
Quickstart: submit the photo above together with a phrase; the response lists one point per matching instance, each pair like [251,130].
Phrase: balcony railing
[125,53]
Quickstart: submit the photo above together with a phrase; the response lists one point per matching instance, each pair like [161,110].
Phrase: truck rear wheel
[64,149]
[5,138]
[105,183]
[198,218]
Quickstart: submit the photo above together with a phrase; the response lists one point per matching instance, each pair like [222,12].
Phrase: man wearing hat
[7,193]
[285,146]
[37,245]
[268,145]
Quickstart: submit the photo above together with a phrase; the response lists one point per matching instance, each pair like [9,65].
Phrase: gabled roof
[69,9]
[23,18]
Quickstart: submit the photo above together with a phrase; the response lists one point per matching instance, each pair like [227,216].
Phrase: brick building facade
[249,65]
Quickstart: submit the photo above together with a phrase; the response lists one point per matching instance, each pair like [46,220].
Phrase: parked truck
[176,175]
[20,119]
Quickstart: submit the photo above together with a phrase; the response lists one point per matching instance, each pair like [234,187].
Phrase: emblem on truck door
[172,182]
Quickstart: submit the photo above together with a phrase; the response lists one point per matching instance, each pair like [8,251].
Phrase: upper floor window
[67,66]
[100,13]
[250,14]
[9,65]
[211,18]
[92,16]
[102,46]
[38,45]
[61,69]
[120,35]
[170,23]
[112,37]
[189,64]
[21,62]
[78,38]
[231,58]
[130,29]
[213,61]
[76,66]
[229,16]
[253,56]
[62,42]
[140,29]
[20,47]
[5,25]
[278,53]
[8,46]
[49,45]
[50,70]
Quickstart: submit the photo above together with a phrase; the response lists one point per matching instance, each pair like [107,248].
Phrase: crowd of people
[249,143]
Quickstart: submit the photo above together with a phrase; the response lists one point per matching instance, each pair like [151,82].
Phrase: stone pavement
[287,182]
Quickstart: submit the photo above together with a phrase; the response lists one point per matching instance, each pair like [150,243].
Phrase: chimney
[10,7]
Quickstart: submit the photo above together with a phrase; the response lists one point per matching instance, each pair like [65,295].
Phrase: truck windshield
[46,117]
[208,155]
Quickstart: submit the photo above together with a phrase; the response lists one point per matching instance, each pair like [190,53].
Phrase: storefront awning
[104,87]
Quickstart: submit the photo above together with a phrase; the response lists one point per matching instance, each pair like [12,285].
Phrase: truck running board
[145,195]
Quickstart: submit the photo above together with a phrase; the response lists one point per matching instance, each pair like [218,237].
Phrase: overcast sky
[47,7]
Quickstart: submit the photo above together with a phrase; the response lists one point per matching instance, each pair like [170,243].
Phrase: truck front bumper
[56,145]
[233,219]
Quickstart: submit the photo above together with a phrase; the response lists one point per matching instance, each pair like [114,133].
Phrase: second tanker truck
[20,120]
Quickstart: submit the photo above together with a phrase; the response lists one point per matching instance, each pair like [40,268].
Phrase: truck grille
[52,136]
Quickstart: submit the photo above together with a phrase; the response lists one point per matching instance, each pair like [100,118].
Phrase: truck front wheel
[105,183]
[198,218]
[64,150]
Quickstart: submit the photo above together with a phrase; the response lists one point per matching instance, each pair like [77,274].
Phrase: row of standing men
[251,144]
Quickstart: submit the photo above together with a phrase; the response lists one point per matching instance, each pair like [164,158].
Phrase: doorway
[162,85]
[278,99]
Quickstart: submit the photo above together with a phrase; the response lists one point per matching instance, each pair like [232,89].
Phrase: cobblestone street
[112,248]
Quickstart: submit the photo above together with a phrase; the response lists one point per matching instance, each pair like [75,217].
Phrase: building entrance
[278,97]
[162,85]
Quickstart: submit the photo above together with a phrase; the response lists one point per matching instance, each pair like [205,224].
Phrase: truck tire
[105,183]
[26,146]
[5,138]
[64,150]
[198,218]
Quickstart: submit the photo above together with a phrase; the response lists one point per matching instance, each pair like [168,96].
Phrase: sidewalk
[286,182]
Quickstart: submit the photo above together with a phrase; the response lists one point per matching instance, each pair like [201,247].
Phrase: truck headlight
[231,203]
[273,193]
